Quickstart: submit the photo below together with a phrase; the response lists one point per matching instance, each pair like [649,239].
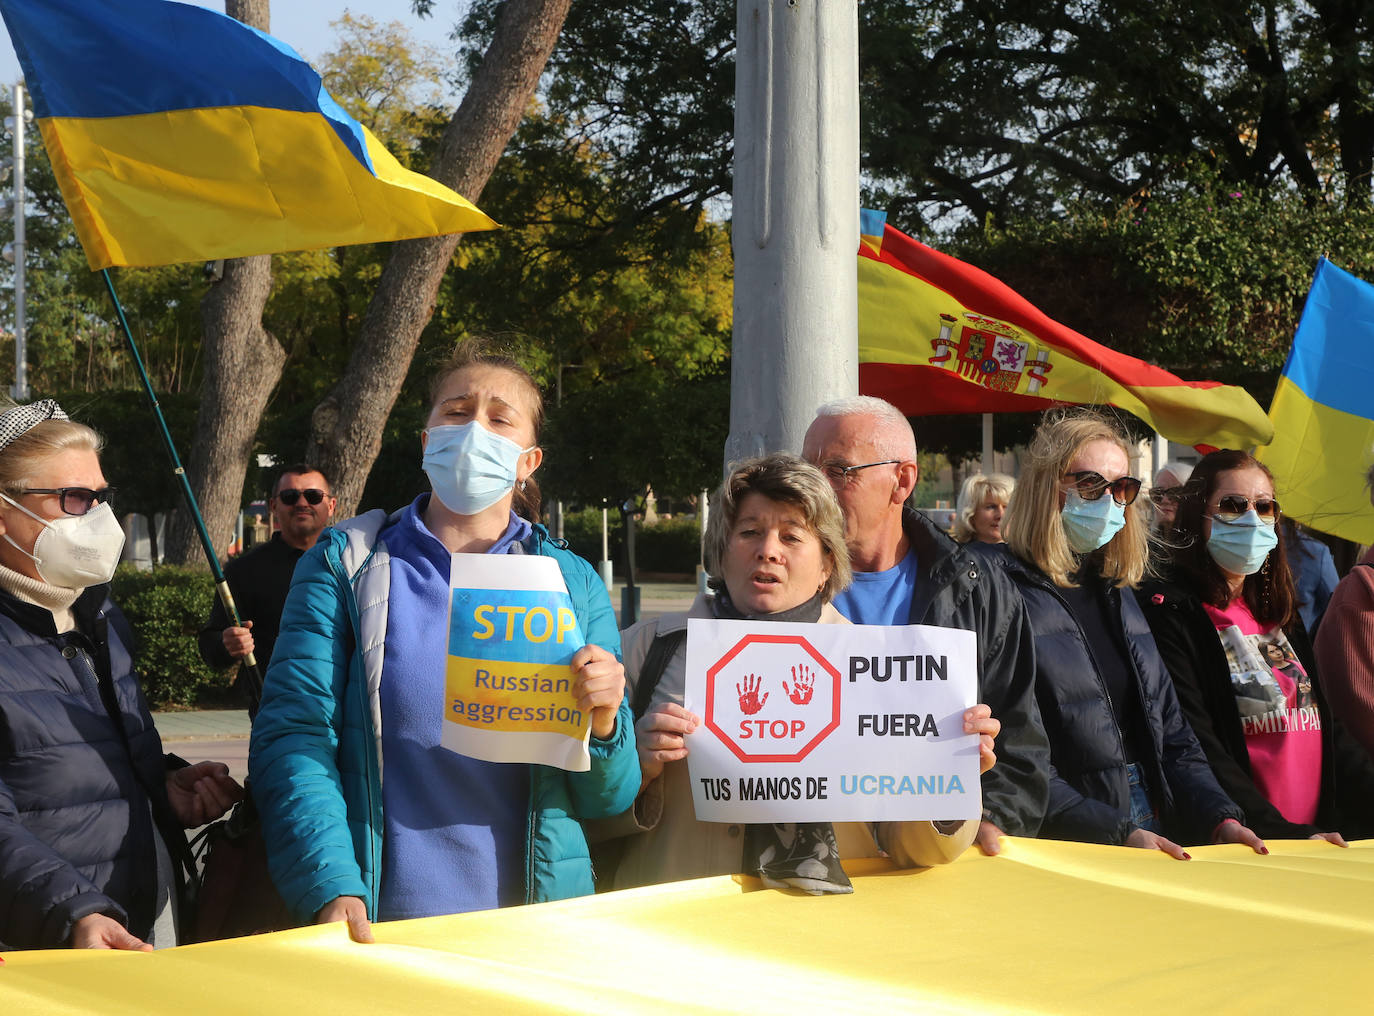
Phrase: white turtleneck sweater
[56,599]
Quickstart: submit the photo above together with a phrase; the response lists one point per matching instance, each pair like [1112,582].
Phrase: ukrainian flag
[178,134]
[1323,410]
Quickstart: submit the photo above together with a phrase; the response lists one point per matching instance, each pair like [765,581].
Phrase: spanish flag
[1323,410]
[937,335]
[178,134]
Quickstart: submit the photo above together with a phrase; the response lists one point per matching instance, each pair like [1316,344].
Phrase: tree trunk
[347,426]
[243,363]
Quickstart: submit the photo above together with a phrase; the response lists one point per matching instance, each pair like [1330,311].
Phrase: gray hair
[892,437]
[785,479]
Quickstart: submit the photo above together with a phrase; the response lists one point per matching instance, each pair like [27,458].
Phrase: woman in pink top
[1227,625]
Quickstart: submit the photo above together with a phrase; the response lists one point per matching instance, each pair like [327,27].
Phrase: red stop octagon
[782,729]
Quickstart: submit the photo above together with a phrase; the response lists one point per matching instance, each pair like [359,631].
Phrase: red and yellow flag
[937,335]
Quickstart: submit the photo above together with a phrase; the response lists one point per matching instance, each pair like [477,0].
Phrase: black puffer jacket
[1193,652]
[956,588]
[76,754]
[1089,791]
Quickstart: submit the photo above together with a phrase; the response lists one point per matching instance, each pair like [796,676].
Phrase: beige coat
[665,843]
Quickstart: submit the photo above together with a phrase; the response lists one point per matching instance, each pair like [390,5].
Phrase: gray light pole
[14,252]
[796,219]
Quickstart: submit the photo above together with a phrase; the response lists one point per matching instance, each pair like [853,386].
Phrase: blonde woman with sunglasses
[1126,768]
[1226,622]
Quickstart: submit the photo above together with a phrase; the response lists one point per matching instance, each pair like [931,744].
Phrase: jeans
[1142,812]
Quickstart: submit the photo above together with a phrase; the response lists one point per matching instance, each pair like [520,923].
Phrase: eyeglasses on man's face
[838,474]
[312,495]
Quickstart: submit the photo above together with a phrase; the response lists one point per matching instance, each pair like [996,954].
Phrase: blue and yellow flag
[1323,410]
[178,134]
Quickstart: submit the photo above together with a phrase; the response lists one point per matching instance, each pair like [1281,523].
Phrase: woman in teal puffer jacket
[353,691]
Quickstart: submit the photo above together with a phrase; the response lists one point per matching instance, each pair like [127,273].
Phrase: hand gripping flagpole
[221,586]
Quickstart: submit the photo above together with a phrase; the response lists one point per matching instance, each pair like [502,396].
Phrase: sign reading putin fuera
[831,722]
[512,633]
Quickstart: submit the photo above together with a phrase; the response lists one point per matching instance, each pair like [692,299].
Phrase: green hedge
[669,545]
[166,608]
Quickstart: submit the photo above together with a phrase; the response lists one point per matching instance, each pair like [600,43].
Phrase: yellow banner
[1048,927]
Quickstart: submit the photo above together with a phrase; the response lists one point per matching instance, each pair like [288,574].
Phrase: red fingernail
[1187,856]
[1264,850]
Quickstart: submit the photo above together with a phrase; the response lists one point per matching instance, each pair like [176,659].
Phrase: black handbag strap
[655,663]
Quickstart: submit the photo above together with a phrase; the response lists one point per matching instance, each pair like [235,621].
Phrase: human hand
[599,685]
[96,931]
[350,909]
[749,701]
[238,642]
[979,720]
[1231,831]
[201,793]
[989,838]
[802,685]
[1147,840]
[660,737]
[1335,838]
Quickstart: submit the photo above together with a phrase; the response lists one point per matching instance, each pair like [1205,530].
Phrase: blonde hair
[977,491]
[25,455]
[784,479]
[1032,527]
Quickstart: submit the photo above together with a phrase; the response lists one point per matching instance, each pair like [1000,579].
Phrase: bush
[166,608]
[669,545]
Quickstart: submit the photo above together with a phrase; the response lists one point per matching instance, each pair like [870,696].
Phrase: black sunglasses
[76,500]
[1092,485]
[1233,506]
[291,495]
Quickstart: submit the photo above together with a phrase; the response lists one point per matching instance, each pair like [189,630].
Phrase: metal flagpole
[221,586]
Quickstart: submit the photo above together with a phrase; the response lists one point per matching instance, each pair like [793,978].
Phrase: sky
[304,25]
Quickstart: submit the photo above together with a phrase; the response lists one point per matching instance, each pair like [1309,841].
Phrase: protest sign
[512,632]
[831,722]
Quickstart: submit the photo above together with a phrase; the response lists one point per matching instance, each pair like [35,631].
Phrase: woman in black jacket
[91,812]
[1227,625]
[1126,767]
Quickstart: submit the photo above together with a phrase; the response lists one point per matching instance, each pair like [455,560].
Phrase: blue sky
[304,24]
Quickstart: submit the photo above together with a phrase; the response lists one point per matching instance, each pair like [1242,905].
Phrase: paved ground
[222,734]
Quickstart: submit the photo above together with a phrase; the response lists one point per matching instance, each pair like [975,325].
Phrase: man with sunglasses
[301,507]
[908,571]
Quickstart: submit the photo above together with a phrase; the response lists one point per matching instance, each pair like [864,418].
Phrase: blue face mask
[1091,524]
[469,467]
[1240,547]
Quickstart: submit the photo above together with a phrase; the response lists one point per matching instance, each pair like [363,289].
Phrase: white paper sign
[512,632]
[831,722]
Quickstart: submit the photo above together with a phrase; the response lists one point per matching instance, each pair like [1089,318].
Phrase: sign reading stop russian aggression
[831,722]
[508,694]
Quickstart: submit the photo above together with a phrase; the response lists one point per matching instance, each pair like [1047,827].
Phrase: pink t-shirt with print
[1283,729]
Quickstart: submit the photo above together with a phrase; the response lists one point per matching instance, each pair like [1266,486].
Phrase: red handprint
[803,682]
[749,701]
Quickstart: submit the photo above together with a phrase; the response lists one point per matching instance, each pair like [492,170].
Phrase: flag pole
[221,586]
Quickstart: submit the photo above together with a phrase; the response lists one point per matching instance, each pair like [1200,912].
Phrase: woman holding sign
[374,641]
[1127,768]
[775,548]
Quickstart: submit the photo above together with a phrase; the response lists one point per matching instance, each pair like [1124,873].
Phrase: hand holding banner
[512,634]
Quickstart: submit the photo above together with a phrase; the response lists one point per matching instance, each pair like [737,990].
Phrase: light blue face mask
[1091,524]
[1241,547]
[469,467]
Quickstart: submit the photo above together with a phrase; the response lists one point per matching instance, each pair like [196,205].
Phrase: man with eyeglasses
[301,507]
[907,571]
